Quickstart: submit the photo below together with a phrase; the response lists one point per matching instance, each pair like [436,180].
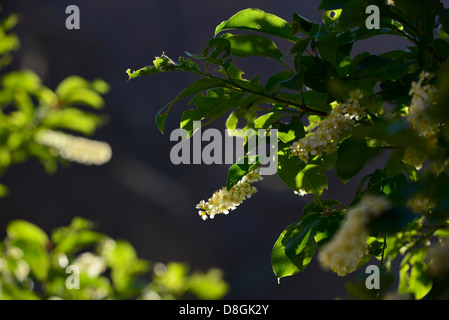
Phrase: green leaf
[275,79]
[22,80]
[413,276]
[238,170]
[292,131]
[328,226]
[69,85]
[317,72]
[280,262]
[300,238]
[327,47]
[300,46]
[353,14]
[37,257]
[165,64]
[72,119]
[75,90]
[245,45]
[125,264]
[296,82]
[232,121]
[197,86]
[257,20]
[351,158]
[209,285]
[304,26]
[26,231]
[211,107]
[75,241]
[300,177]
[4,191]
[392,221]
[317,101]
[266,120]
[410,171]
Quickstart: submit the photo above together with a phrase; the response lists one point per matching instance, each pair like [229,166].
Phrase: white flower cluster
[438,256]
[422,98]
[348,246]
[90,264]
[328,133]
[420,203]
[223,201]
[76,149]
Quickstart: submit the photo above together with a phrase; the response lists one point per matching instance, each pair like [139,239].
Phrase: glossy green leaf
[353,14]
[245,45]
[280,262]
[300,177]
[292,131]
[317,72]
[352,157]
[303,25]
[299,240]
[296,82]
[317,101]
[209,108]
[238,170]
[257,20]
[413,276]
[266,120]
[198,86]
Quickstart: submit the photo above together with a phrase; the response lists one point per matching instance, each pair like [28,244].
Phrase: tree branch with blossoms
[332,113]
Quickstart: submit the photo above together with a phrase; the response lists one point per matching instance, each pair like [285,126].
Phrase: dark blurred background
[139,195]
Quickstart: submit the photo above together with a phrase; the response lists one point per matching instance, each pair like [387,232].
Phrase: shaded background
[140,195]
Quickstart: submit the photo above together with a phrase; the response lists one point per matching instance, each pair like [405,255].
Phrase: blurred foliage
[34,265]
[30,112]
[336,111]
[74,262]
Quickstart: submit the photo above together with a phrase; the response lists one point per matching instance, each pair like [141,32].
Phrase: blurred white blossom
[76,149]
[348,246]
[90,264]
[423,96]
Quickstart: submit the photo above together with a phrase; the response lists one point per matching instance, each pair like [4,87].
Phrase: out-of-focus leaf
[24,230]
